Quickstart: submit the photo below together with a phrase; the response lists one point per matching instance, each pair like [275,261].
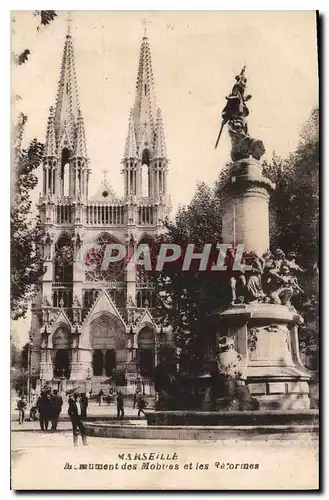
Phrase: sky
[195,57]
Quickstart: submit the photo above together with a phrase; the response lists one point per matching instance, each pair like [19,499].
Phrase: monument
[261,325]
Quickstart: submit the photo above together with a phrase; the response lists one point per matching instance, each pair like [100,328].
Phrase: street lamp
[88,388]
[29,352]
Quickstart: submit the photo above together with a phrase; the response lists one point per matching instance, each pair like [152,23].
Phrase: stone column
[246,207]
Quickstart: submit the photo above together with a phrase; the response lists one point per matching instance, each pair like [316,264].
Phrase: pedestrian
[100,397]
[21,405]
[44,405]
[57,403]
[136,397]
[120,409]
[75,412]
[141,404]
[84,405]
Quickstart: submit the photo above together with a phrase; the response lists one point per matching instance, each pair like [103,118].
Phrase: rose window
[94,260]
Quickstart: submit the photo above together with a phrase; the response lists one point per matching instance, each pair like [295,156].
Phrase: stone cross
[69,21]
[145,22]
[104,173]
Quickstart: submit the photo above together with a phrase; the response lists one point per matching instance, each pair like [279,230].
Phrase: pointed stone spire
[131,147]
[160,150]
[145,143]
[145,102]
[80,148]
[50,144]
[66,138]
[67,102]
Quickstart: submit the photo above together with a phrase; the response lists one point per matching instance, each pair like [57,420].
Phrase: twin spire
[65,128]
[65,123]
[145,129]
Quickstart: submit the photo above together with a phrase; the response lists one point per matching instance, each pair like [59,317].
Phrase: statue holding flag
[234,114]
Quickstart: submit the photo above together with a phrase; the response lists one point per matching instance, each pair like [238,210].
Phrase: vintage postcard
[164,250]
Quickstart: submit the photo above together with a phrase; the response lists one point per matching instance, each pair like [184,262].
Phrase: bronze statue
[235,113]
[254,289]
[281,284]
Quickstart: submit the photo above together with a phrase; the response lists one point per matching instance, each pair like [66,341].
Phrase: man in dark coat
[84,405]
[44,405]
[120,410]
[75,412]
[57,403]
[141,404]
[21,405]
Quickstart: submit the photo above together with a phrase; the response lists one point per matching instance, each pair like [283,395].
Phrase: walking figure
[75,412]
[100,397]
[21,405]
[136,395]
[84,405]
[120,409]
[57,403]
[44,406]
[141,404]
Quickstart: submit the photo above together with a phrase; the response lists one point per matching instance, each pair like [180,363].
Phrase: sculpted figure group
[271,279]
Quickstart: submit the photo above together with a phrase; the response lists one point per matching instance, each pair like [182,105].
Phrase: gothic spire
[160,150]
[131,147]
[50,144]
[145,102]
[67,102]
[80,148]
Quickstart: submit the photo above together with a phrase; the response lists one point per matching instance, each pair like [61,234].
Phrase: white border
[5,162]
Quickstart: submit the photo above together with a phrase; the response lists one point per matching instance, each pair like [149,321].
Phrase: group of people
[139,402]
[49,406]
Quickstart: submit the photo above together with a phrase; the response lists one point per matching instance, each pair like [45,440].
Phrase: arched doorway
[146,347]
[108,342]
[110,362]
[61,353]
[97,362]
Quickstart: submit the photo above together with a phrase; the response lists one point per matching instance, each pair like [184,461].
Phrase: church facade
[91,328]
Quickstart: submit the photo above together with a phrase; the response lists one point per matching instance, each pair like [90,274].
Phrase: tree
[24,356]
[14,355]
[45,18]
[26,260]
[189,297]
[191,294]
[294,222]
[18,365]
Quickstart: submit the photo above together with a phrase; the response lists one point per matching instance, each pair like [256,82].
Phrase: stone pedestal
[245,207]
[266,336]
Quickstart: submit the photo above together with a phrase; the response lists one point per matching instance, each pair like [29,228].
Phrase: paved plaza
[43,461]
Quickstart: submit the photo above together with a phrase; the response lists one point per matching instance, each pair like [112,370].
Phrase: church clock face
[94,260]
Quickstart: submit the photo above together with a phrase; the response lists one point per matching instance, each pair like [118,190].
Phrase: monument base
[233,418]
[266,335]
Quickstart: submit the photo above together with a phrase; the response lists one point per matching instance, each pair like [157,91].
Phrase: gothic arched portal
[108,342]
[146,351]
[61,353]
